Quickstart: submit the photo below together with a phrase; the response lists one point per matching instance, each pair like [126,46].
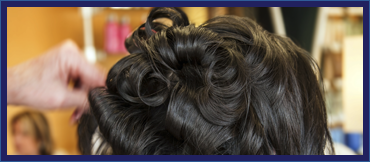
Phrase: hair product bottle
[111,43]
[124,32]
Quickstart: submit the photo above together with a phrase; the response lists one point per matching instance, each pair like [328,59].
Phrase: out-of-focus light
[86,11]
[353,92]
[90,54]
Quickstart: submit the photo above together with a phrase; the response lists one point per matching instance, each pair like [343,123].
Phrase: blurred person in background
[31,134]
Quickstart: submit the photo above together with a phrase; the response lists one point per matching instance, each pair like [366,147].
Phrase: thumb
[89,75]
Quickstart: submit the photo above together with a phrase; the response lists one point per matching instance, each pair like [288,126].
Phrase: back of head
[225,87]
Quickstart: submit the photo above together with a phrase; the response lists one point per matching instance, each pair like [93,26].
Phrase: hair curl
[227,87]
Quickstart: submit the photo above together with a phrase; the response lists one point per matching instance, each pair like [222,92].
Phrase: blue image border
[3,60]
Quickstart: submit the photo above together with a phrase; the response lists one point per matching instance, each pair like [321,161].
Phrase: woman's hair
[39,129]
[227,87]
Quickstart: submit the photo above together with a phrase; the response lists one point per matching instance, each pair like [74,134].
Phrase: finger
[78,85]
[75,98]
[88,74]
[78,68]
[77,115]
[73,118]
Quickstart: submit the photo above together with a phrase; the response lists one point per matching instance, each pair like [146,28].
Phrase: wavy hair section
[227,87]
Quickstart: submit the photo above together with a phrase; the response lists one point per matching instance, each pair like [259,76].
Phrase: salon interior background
[332,35]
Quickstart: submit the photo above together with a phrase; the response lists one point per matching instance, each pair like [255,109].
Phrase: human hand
[42,83]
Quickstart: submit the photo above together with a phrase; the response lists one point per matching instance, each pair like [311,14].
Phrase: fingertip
[70,41]
[102,80]
[93,75]
[102,77]
[77,114]
[73,120]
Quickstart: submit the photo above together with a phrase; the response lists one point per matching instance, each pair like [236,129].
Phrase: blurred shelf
[94,19]
[339,12]
[97,10]
[108,60]
[336,11]
[355,11]
[335,125]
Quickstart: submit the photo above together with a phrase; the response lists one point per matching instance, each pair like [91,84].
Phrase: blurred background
[334,37]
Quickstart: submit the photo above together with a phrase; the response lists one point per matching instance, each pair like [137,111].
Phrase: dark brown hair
[227,87]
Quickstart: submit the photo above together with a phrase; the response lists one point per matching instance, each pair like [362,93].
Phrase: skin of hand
[43,82]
